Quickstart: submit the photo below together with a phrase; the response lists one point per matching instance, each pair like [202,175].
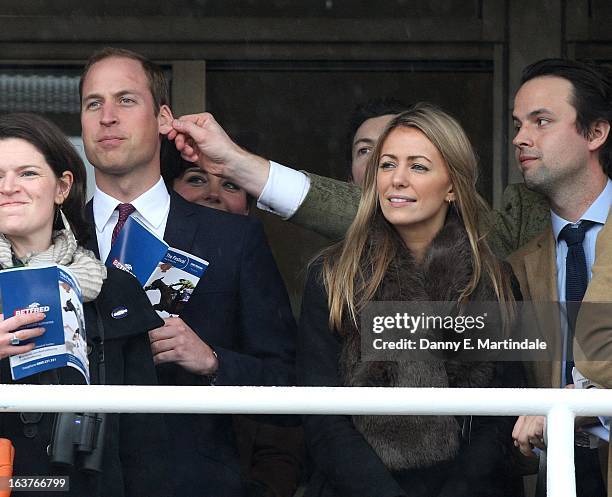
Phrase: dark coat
[135,444]
[240,308]
[424,456]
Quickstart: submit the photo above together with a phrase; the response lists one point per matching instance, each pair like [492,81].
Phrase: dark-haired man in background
[366,124]
[562,116]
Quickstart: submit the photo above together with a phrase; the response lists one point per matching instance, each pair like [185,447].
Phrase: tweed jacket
[534,265]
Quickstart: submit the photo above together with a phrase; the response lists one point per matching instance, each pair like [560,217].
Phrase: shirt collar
[597,212]
[152,205]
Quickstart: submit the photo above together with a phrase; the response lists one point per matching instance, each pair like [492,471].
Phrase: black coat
[346,465]
[135,444]
[240,308]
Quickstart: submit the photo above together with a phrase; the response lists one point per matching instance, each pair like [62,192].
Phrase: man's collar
[152,205]
[597,212]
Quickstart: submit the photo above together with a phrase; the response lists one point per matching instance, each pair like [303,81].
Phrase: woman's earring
[64,220]
[57,216]
[60,222]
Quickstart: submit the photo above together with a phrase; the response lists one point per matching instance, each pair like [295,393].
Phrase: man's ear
[164,119]
[598,134]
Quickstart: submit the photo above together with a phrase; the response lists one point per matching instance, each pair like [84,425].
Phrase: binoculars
[78,437]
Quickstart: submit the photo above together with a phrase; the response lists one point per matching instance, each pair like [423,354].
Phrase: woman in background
[415,238]
[42,205]
[195,185]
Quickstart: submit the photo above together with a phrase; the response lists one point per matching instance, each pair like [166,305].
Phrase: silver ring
[15,339]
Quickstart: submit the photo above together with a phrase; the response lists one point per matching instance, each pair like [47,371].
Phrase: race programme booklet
[54,291]
[168,275]
[136,250]
[170,286]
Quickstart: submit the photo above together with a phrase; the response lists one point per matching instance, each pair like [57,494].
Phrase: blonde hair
[345,265]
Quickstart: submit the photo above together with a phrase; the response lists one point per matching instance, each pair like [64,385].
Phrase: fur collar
[404,442]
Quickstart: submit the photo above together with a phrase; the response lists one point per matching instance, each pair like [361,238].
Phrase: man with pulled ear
[226,334]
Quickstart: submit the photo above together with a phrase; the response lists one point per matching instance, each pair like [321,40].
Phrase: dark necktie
[576,282]
[124,212]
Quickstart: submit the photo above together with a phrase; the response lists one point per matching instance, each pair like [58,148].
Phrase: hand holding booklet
[53,290]
[168,275]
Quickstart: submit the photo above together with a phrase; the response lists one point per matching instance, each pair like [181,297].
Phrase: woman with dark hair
[195,185]
[42,205]
[415,238]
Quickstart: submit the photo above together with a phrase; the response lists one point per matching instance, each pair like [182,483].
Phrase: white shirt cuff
[284,191]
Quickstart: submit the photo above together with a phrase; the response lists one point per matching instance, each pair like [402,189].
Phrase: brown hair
[158,84]
[591,95]
[61,156]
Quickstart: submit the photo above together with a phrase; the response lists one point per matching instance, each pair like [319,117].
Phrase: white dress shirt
[152,208]
[284,191]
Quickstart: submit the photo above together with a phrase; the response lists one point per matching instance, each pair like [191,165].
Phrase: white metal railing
[559,405]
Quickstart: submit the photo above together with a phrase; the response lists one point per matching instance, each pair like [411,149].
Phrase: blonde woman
[415,238]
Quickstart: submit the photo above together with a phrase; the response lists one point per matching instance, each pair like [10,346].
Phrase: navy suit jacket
[240,308]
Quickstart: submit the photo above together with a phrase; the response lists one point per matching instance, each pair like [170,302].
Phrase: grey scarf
[86,268]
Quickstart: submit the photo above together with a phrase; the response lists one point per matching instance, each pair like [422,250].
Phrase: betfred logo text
[125,267]
[33,308]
